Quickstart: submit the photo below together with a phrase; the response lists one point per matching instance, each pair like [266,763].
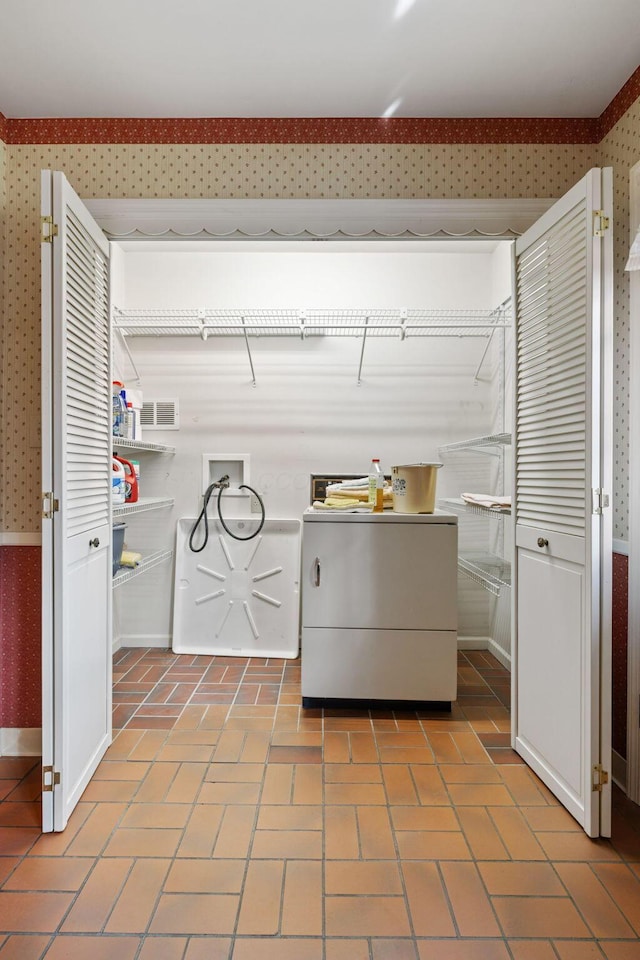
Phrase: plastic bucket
[118,543]
[414,487]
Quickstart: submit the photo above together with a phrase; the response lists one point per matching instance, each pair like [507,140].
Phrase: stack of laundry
[351,494]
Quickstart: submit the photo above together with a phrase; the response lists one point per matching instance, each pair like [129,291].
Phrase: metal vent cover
[160,415]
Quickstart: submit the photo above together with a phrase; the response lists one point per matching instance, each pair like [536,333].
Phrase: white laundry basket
[414,487]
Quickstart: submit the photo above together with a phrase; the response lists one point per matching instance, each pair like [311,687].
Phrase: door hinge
[600,778]
[50,779]
[49,229]
[600,223]
[49,505]
[600,500]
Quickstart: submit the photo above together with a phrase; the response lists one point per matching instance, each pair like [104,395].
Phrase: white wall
[306,413]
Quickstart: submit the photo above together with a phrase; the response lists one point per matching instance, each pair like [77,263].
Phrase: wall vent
[160,415]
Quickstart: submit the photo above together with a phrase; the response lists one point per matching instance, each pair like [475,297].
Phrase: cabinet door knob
[542,542]
[94,543]
[317,567]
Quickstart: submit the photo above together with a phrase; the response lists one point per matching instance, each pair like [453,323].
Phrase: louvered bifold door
[78,529]
[558,458]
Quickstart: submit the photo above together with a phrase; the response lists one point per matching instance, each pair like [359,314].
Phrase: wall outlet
[255,505]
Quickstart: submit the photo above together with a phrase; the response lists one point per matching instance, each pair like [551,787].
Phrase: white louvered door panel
[559,722]
[77,468]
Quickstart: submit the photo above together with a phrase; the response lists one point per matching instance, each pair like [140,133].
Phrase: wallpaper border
[119,130]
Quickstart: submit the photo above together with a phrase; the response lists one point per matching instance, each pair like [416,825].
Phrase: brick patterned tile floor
[227,823]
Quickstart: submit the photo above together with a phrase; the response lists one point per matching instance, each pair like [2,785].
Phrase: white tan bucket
[414,487]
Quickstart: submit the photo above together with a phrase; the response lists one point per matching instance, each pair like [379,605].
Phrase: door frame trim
[633,641]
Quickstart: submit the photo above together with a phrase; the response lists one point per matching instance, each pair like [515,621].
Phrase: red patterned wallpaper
[619,653]
[620,104]
[304,130]
[20,666]
[4,124]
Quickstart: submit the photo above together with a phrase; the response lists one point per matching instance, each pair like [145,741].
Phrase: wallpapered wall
[229,170]
[620,149]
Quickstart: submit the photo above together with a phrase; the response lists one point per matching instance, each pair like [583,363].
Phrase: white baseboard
[473,643]
[500,654]
[486,643]
[144,640]
[619,770]
[11,539]
[621,547]
[20,741]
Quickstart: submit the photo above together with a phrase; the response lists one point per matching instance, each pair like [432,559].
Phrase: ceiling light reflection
[402,8]
[391,109]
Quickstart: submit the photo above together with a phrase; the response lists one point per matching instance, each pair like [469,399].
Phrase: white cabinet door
[76,469]
[561,677]
[399,576]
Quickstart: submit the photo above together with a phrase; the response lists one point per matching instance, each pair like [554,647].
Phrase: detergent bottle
[376,486]
[130,480]
[118,494]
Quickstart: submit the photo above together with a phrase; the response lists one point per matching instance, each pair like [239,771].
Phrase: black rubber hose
[204,518]
[243,486]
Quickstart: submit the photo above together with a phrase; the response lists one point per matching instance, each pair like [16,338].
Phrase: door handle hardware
[317,568]
[542,542]
[94,543]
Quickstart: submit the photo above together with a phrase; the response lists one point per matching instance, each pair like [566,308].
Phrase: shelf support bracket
[482,358]
[246,340]
[123,338]
[364,340]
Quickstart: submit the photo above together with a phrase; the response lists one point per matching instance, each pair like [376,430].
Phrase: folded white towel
[345,484]
[348,506]
[487,500]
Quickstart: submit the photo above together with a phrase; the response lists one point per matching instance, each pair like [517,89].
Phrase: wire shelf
[153,560]
[491,572]
[312,323]
[480,444]
[123,443]
[142,505]
[460,507]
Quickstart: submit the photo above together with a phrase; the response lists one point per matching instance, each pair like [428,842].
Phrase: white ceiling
[315,58]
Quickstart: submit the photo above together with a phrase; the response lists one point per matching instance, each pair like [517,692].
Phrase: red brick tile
[462,950]
[514,832]
[364,877]
[430,786]
[260,900]
[98,947]
[624,888]
[205,876]
[593,902]
[366,916]
[23,947]
[49,873]
[307,784]
[201,832]
[302,902]
[235,833]
[539,917]
[376,835]
[167,948]
[204,914]
[136,903]
[481,833]
[341,833]
[270,948]
[94,902]
[278,784]
[32,912]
